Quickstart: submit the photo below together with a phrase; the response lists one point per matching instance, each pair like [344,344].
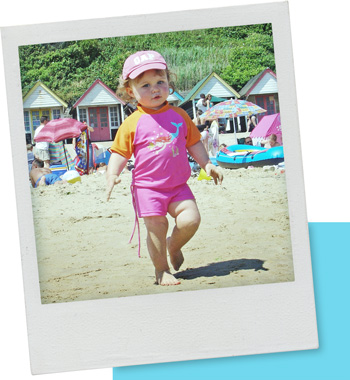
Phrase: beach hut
[262,90]
[268,125]
[102,109]
[211,84]
[41,101]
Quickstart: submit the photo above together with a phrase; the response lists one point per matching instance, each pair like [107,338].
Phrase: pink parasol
[60,129]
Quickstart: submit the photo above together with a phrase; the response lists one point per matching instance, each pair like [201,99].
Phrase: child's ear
[129,92]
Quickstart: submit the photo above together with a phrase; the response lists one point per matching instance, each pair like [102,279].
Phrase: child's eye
[145,85]
[161,82]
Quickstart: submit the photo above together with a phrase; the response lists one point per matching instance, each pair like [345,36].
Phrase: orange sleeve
[123,143]
[193,134]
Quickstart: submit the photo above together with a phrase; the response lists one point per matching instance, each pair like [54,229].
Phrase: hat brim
[150,66]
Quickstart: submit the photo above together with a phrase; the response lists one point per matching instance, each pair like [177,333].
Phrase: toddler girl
[159,135]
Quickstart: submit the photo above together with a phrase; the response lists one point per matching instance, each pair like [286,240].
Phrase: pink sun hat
[142,61]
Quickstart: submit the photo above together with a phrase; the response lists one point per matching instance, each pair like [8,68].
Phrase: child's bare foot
[176,257]
[166,278]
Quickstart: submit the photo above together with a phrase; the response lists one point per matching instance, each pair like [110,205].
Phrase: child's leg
[157,227]
[187,220]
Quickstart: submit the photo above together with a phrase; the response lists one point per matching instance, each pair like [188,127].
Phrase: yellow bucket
[203,175]
[73,180]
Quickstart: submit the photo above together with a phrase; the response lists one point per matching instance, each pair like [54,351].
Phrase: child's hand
[215,173]
[111,181]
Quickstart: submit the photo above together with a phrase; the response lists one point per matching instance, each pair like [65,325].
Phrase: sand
[82,240]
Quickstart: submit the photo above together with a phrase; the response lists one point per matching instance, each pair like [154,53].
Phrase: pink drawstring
[136,221]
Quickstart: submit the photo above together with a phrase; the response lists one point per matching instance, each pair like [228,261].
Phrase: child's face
[150,90]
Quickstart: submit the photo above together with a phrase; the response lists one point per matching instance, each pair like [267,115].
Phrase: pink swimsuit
[159,140]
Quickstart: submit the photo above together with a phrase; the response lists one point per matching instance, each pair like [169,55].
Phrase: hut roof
[251,87]
[41,96]
[98,83]
[198,88]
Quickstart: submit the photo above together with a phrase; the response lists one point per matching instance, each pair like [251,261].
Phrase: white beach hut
[40,101]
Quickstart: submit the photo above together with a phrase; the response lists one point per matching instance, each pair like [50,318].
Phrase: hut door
[98,119]
[268,103]
[36,115]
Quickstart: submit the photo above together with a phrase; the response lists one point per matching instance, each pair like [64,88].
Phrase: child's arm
[198,152]
[116,165]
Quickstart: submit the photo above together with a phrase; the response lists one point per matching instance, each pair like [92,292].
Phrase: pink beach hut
[268,125]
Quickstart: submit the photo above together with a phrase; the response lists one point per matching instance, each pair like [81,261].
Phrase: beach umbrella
[230,109]
[60,129]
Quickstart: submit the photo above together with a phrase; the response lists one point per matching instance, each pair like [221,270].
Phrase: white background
[320,36]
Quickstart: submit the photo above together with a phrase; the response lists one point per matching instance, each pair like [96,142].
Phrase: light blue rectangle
[330,254]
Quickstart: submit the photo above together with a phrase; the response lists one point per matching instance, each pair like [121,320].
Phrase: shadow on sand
[221,268]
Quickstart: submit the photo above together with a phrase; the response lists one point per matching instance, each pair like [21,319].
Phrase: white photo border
[174,326]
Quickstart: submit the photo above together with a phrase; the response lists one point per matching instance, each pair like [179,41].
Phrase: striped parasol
[232,108]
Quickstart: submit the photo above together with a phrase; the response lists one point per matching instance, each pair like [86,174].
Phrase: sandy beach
[82,240]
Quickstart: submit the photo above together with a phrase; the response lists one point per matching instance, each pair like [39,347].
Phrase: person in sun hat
[159,136]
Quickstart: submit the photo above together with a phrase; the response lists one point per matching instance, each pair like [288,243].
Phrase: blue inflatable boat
[242,156]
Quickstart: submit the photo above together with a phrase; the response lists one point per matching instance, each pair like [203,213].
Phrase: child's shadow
[222,268]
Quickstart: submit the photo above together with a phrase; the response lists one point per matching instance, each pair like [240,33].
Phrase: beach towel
[213,139]
[85,154]
[81,148]
[59,153]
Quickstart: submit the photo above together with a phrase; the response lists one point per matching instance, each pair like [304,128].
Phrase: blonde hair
[126,83]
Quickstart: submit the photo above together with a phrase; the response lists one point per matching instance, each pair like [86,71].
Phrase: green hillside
[69,68]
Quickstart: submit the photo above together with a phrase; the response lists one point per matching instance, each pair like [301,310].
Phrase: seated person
[248,141]
[30,155]
[41,176]
[271,143]
[101,168]
[197,120]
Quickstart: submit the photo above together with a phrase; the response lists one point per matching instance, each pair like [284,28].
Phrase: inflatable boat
[242,156]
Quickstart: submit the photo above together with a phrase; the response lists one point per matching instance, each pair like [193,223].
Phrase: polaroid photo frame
[172,326]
